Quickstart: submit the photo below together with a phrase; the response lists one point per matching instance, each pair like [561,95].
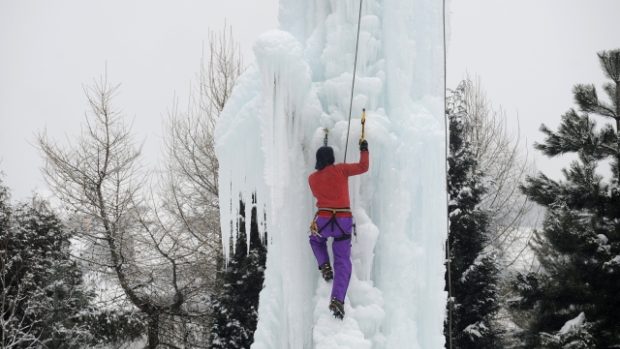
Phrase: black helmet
[324,157]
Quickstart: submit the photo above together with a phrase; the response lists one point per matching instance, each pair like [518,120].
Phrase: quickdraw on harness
[333,221]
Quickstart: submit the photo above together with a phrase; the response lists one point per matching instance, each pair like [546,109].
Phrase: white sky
[527,53]
[50,49]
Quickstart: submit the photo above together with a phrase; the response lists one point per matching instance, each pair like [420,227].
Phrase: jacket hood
[324,157]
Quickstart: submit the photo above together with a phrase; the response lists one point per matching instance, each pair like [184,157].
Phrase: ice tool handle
[325,138]
[363,125]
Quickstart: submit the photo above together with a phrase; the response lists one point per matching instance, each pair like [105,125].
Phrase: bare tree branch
[498,152]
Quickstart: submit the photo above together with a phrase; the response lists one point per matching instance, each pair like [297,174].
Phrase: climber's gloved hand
[364,145]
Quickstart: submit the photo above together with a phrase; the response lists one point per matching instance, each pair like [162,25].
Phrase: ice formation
[266,141]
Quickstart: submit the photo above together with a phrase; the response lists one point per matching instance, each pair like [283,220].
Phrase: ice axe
[346,143]
[363,124]
[325,138]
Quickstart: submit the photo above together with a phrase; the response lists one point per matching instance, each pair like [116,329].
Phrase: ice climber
[330,186]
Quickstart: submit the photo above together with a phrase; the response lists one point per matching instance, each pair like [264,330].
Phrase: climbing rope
[357,42]
[447,153]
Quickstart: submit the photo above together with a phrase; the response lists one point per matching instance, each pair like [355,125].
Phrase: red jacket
[330,186]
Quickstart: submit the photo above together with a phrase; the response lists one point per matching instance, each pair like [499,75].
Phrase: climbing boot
[326,271]
[337,308]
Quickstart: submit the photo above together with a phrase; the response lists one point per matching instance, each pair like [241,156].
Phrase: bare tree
[98,178]
[162,247]
[499,156]
[499,153]
[192,182]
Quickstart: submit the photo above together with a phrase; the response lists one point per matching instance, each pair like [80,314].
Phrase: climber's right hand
[364,145]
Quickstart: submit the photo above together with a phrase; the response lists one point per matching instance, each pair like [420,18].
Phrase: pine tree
[5,212]
[43,298]
[473,273]
[235,307]
[43,301]
[573,301]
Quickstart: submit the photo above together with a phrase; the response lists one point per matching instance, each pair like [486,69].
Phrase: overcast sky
[50,49]
[528,55]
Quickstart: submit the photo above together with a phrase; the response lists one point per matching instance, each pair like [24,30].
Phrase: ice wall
[266,140]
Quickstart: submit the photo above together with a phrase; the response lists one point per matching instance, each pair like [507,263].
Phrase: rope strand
[357,41]
[447,153]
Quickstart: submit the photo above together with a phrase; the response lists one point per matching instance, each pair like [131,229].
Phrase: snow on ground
[266,140]
[572,324]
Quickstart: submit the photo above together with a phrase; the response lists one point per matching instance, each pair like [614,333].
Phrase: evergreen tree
[573,302]
[43,301]
[473,272]
[5,211]
[235,307]
[43,298]
[114,327]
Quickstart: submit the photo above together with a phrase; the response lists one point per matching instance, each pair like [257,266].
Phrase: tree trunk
[618,128]
[153,331]
[618,150]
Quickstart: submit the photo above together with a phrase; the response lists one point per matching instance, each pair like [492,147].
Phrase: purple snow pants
[341,250]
